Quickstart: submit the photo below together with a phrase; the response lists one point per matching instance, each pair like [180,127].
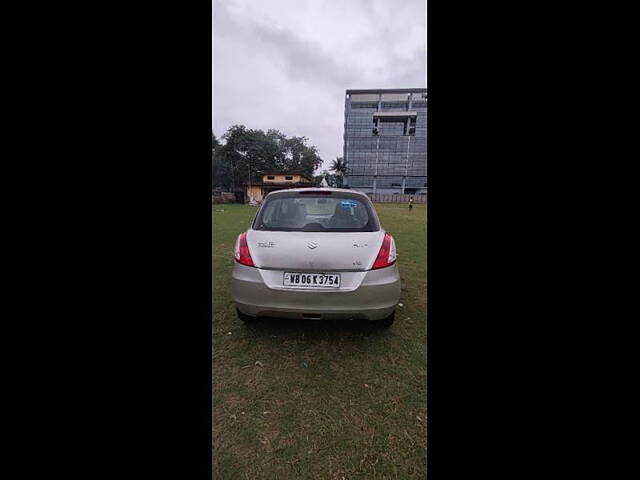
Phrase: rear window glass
[316,213]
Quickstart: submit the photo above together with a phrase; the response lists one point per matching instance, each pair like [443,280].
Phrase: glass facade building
[385,140]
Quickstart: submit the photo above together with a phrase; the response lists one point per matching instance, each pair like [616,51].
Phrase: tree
[247,152]
[340,168]
[215,146]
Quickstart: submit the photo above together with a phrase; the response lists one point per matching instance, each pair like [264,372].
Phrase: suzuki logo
[312,245]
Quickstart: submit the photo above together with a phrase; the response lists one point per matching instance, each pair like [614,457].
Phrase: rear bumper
[374,299]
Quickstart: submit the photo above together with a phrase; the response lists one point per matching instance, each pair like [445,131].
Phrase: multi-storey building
[385,140]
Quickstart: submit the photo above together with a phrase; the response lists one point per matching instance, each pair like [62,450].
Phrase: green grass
[357,410]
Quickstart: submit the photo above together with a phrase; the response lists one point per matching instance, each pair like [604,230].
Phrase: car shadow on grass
[320,330]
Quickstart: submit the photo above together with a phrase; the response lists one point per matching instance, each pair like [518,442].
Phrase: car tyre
[386,322]
[244,317]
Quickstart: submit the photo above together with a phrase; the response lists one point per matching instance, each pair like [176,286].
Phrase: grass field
[328,400]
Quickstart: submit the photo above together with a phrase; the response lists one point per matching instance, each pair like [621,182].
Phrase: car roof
[317,189]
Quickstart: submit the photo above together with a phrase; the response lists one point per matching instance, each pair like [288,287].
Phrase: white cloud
[285,64]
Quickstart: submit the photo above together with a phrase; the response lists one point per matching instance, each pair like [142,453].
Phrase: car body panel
[314,251]
[374,299]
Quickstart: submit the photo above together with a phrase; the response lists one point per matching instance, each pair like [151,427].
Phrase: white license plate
[311,280]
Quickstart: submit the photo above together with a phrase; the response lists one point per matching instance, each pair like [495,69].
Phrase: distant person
[411,203]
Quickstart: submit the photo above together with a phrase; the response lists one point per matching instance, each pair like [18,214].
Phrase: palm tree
[339,166]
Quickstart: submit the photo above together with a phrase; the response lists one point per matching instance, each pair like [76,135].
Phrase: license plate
[311,280]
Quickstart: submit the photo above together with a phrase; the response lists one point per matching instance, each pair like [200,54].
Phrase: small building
[272,181]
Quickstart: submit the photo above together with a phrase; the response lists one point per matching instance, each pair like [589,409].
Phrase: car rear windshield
[316,213]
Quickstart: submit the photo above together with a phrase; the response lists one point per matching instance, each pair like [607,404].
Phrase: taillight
[241,251]
[387,253]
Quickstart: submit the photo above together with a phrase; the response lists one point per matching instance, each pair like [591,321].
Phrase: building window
[288,178]
[411,127]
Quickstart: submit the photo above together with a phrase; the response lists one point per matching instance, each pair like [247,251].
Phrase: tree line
[242,154]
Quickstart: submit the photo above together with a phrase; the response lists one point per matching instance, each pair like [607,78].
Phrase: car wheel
[386,322]
[244,317]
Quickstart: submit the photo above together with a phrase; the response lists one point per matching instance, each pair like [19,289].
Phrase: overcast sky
[285,64]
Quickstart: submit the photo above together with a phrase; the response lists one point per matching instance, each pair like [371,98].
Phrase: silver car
[316,254]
